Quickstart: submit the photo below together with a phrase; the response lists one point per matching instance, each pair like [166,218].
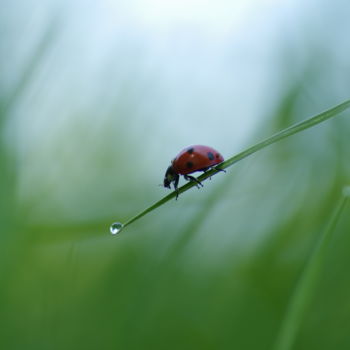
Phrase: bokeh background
[96,98]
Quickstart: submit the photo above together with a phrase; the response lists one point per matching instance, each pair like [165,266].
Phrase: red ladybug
[191,159]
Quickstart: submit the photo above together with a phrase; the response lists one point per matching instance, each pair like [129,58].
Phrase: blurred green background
[96,98]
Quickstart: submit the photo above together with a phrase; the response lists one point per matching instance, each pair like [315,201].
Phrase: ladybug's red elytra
[191,159]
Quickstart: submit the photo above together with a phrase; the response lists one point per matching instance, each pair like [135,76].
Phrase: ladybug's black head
[171,177]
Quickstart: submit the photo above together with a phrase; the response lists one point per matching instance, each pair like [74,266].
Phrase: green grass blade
[296,128]
[306,286]
[34,62]
[306,124]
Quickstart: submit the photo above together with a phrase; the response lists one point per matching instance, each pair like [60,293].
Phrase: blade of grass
[35,59]
[306,285]
[13,245]
[296,128]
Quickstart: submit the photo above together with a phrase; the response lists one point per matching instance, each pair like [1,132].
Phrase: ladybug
[191,159]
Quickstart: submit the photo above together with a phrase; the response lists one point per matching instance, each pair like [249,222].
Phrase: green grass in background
[218,269]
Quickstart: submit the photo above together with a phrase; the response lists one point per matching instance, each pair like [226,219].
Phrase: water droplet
[116,227]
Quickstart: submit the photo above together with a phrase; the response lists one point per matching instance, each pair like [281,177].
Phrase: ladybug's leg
[176,183]
[193,179]
[219,169]
[213,167]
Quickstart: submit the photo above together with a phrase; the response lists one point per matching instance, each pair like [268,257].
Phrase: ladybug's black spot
[217,155]
[190,150]
[210,155]
[189,165]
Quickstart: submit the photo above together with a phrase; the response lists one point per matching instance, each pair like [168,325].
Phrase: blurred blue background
[96,98]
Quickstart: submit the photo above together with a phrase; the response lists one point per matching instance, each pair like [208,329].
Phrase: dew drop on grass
[116,227]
